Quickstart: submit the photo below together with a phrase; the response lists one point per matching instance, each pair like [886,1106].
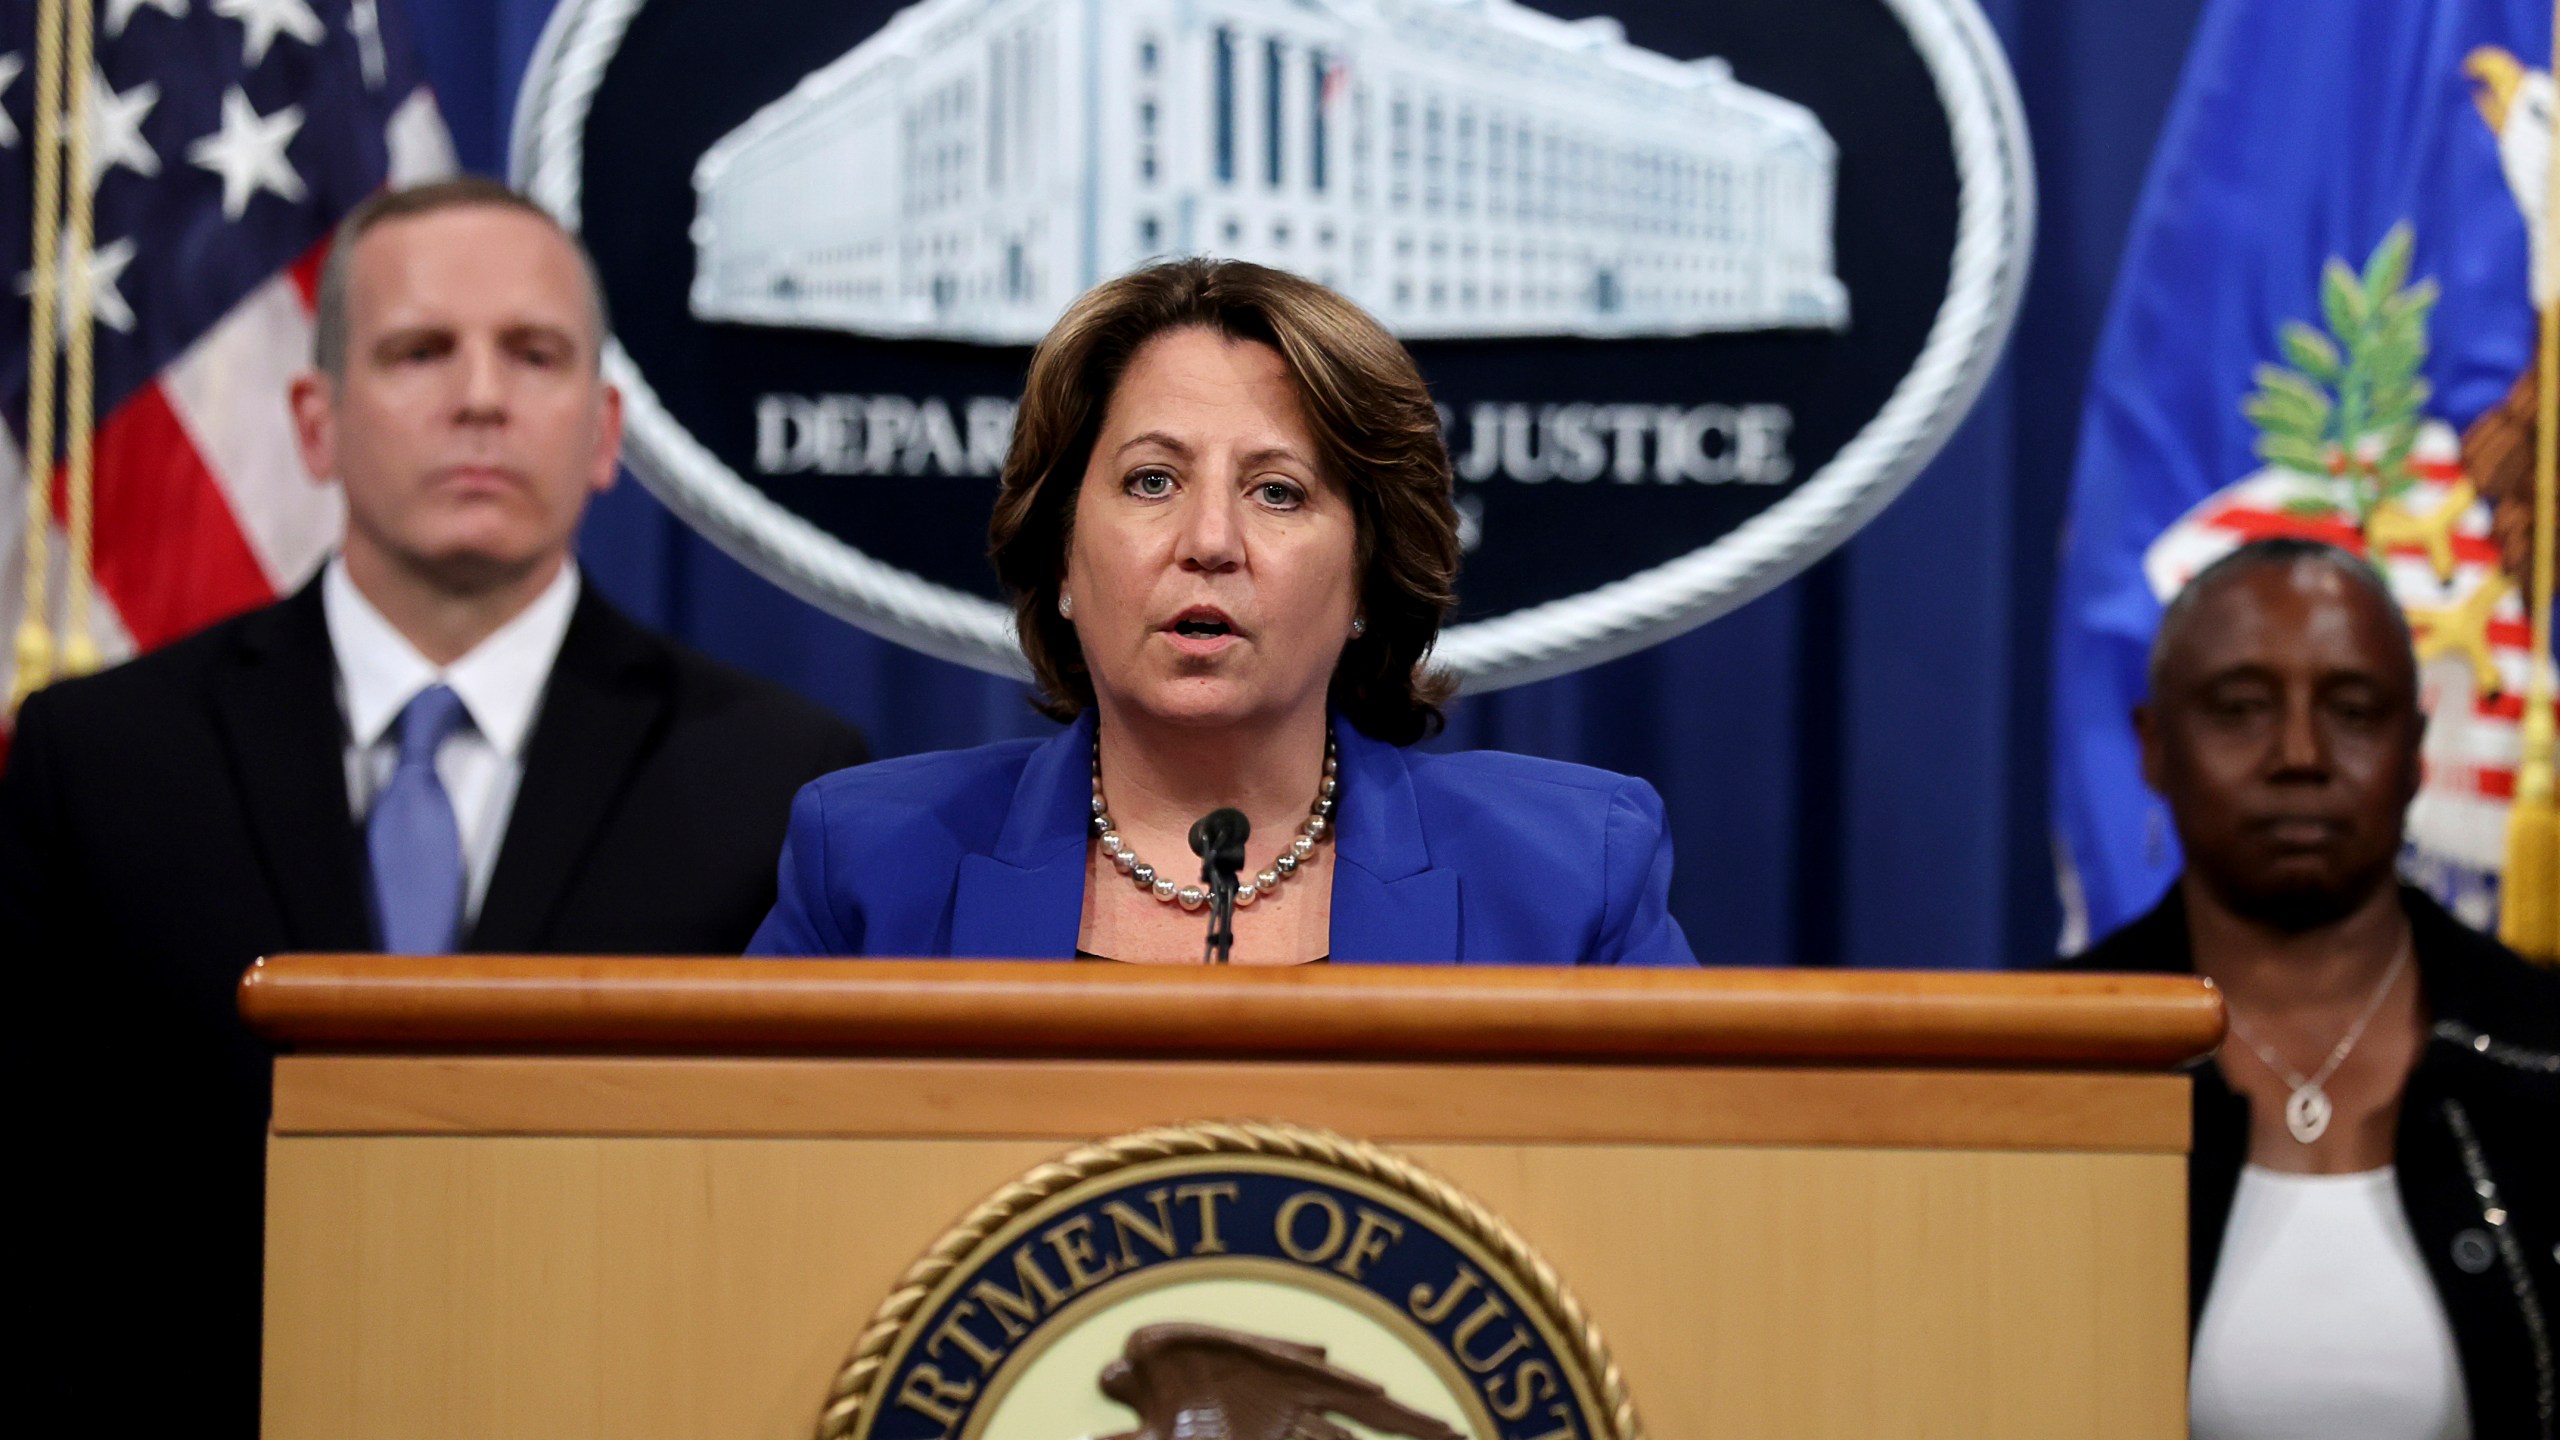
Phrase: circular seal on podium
[1236,1280]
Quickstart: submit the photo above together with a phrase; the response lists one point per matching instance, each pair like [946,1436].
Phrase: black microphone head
[1219,836]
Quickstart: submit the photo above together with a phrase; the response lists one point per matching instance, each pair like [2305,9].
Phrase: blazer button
[2472,1252]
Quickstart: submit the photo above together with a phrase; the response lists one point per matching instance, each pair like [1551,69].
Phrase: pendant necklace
[2307,1113]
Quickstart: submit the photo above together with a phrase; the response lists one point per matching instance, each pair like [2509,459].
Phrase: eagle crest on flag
[2353,457]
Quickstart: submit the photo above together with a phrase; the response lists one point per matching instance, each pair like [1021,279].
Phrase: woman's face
[1212,560]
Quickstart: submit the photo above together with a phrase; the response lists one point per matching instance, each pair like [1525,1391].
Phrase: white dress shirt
[500,683]
[2322,1322]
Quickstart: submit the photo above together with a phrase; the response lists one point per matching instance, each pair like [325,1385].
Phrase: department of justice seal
[1699,288]
[1249,1280]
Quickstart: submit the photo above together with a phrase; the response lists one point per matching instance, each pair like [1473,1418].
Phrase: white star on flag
[120,13]
[105,266]
[115,127]
[11,67]
[248,152]
[261,21]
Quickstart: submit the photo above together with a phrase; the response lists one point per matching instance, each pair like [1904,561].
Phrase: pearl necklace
[1314,828]
[2307,1114]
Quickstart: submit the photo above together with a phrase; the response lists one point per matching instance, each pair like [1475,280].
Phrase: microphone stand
[1222,912]
[1218,839]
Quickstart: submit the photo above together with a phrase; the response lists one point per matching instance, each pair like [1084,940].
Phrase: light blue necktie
[411,837]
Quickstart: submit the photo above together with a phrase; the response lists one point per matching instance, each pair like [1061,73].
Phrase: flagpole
[2529,908]
[35,636]
[77,653]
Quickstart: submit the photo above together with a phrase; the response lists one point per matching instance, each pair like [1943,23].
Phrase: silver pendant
[2307,1113]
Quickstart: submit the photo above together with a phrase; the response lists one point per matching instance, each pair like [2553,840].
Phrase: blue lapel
[1389,904]
[1026,901]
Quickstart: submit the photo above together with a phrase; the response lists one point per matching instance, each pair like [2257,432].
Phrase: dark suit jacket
[167,821]
[2473,1154]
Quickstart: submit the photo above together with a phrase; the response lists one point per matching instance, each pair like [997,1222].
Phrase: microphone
[1218,839]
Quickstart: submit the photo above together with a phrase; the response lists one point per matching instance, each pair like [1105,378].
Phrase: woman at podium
[1226,529]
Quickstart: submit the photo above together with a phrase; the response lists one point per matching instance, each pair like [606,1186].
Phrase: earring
[1066,606]
[1359,626]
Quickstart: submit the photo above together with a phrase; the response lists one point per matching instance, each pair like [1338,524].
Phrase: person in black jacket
[2375,1188]
[444,742]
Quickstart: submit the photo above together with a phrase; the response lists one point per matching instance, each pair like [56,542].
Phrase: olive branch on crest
[2345,414]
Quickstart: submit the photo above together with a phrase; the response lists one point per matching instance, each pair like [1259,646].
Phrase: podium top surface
[662,1006]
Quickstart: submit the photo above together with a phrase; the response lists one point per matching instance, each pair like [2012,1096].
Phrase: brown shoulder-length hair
[1376,432]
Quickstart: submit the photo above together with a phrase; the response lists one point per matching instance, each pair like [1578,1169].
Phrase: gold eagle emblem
[1202,1382]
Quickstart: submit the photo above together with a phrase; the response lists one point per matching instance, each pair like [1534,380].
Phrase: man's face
[471,424]
[2284,735]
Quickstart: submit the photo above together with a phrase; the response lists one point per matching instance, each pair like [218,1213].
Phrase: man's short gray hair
[329,312]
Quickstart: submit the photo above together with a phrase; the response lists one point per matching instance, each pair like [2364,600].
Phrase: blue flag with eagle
[2324,325]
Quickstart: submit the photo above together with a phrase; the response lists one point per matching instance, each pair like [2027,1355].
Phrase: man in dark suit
[444,742]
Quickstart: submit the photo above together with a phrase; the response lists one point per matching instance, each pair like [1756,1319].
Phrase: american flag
[228,138]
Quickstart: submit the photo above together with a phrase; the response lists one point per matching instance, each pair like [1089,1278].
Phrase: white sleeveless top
[2322,1322]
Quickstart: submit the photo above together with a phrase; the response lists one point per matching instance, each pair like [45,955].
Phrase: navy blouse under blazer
[1480,858]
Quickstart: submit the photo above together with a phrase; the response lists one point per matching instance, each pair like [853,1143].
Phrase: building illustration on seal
[1462,168]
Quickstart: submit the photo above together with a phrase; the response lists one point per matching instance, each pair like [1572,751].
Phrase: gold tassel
[78,654]
[35,635]
[2529,893]
[2529,903]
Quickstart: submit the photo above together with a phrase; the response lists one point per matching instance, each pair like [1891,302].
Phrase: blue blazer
[1481,858]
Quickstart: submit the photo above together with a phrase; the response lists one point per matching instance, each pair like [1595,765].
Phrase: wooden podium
[641,1198]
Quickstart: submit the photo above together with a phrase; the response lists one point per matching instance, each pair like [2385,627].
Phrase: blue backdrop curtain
[1854,765]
